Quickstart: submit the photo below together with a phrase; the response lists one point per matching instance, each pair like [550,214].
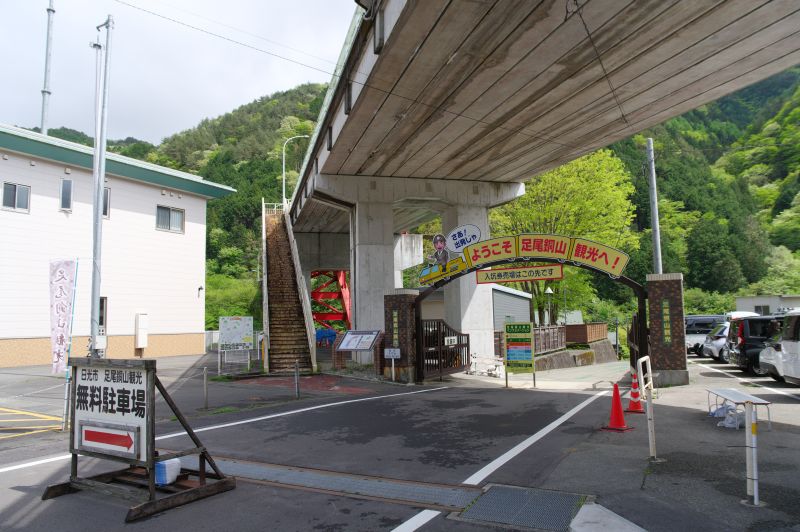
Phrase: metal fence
[239,361]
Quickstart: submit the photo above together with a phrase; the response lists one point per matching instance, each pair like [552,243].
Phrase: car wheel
[758,372]
[723,355]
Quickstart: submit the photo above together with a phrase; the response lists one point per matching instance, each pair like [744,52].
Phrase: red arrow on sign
[109,438]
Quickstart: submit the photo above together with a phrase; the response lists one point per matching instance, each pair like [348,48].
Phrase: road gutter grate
[528,508]
[419,493]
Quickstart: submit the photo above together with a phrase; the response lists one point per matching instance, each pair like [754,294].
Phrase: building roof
[37,145]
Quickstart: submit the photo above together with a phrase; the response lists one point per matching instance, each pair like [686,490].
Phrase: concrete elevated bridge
[446,107]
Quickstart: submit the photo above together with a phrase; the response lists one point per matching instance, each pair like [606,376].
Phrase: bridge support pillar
[372,269]
[468,305]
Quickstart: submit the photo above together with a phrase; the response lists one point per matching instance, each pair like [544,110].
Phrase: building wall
[143,269]
[749,303]
[519,308]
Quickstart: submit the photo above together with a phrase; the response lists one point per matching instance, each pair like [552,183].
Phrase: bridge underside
[502,90]
[443,107]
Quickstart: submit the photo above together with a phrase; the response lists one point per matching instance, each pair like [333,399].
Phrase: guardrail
[302,288]
[271,208]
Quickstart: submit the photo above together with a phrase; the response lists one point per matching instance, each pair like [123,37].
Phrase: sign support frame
[139,473]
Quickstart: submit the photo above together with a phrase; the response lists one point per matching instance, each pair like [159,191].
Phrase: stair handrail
[305,298]
[264,291]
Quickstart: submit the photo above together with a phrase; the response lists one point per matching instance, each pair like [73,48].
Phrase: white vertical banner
[62,288]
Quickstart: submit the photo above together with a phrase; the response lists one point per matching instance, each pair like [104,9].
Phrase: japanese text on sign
[600,257]
[491,250]
[462,236]
[111,395]
[515,275]
[529,247]
[519,344]
[62,287]
[112,406]
[544,246]
[235,332]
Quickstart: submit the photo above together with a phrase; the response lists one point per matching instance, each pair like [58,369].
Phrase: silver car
[697,327]
[714,344]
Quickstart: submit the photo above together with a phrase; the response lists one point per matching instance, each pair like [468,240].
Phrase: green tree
[588,197]
[712,265]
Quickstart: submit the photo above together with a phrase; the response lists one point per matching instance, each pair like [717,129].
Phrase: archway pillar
[667,334]
[468,305]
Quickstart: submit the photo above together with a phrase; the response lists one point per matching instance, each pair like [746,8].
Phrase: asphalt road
[450,433]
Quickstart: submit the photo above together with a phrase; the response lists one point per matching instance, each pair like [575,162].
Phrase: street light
[284,163]
[549,293]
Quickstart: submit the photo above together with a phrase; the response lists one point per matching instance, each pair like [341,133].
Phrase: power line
[333,74]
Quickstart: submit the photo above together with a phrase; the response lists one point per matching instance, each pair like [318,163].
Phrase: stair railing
[264,291]
[302,289]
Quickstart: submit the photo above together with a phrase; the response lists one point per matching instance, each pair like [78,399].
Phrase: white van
[781,358]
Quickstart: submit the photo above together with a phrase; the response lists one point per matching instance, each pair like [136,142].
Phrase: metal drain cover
[525,508]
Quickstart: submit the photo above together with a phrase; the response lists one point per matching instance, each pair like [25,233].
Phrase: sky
[164,77]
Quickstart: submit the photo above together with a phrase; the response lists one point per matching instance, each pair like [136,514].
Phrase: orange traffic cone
[617,420]
[635,405]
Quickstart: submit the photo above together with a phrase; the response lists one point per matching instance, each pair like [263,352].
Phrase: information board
[519,344]
[235,332]
[391,352]
[358,341]
[112,406]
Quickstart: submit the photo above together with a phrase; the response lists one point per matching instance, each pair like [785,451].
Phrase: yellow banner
[516,275]
[528,247]
[504,247]
[606,259]
[544,246]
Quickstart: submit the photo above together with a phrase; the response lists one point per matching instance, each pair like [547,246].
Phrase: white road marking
[426,515]
[748,381]
[31,393]
[417,521]
[35,463]
[26,465]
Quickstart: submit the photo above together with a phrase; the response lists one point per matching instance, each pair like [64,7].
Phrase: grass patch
[225,410]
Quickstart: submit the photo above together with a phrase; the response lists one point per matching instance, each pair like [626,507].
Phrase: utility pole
[98,341]
[654,208]
[48,52]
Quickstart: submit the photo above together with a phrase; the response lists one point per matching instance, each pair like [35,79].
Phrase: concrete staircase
[288,341]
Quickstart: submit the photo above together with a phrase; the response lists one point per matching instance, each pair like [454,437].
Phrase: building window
[169,219]
[106,202]
[16,197]
[66,195]
[762,309]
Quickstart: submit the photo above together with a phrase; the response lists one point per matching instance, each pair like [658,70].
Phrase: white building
[153,248]
[768,304]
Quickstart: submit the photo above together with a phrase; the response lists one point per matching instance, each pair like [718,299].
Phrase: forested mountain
[728,183]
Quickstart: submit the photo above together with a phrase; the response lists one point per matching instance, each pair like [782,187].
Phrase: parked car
[746,337]
[697,327]
[714,344]
[781,357]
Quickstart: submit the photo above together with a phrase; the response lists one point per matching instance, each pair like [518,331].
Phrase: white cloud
[165,77]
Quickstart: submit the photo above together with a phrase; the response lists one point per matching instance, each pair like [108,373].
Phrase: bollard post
[296,379]
[754,439]
[205,387]
[748,445]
